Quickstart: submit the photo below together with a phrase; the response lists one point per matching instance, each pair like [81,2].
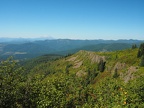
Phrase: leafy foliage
[10,77]
[55,84]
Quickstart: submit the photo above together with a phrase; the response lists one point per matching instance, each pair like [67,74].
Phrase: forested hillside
[30,49]
[85,79]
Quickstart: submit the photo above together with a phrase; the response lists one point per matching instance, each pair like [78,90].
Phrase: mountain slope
[61,46]
[85,79]
[87,59]
[116,86]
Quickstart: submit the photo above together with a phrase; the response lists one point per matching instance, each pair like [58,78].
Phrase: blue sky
[73,19]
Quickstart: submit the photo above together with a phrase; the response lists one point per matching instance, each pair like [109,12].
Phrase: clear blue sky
[73,19]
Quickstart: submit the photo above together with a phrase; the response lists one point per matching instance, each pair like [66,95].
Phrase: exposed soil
[81,73]
[95,58]
[129,75]
[92,56]
[119,66]
[72,58]
[78,64]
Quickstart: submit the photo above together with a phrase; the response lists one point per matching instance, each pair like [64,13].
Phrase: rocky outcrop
[72,58]
[119,66]
[81,73]
[129,74]
[77,64]
[92,56]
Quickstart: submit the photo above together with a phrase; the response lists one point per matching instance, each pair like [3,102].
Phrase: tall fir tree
[142,61]
[101,66]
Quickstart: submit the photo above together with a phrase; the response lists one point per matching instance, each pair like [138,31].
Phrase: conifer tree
[141,50]
[115,73]
[138,54]
[134,46]
[67,70]
[142,61]
[101,66]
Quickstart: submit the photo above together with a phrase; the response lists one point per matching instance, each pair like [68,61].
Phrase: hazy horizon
[72,19]
[52,38]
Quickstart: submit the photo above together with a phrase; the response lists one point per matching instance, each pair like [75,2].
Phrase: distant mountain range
[22,48]
[22,40]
